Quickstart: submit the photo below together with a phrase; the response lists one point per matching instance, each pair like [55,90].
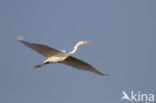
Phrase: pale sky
[124,32]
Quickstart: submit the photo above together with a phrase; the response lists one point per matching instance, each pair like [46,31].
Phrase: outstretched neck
[75,49]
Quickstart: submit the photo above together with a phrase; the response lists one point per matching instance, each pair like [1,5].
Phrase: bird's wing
[74,62]
[42,49]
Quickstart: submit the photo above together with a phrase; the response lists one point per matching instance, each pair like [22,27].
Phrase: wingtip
[20,38]
[106,74]
[98,72]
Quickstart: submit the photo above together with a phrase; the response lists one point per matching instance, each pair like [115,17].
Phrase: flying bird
[63,57]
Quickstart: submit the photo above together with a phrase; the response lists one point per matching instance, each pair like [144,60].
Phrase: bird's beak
[89,41]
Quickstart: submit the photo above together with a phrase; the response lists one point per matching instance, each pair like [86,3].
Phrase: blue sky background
[124,32]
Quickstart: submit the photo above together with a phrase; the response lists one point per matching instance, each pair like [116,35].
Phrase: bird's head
[84,42]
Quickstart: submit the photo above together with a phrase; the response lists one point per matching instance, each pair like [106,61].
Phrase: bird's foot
[37,66]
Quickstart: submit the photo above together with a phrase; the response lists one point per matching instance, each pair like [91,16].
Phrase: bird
[60,56]
[125,96]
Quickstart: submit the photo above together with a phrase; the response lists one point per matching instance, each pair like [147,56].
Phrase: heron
[60,56]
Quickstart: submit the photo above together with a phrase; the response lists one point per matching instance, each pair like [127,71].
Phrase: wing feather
[74,62]
[41,49]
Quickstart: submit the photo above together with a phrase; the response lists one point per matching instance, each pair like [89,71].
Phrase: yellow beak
[89,41]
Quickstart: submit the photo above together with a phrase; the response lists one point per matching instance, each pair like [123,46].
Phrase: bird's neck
[75,49]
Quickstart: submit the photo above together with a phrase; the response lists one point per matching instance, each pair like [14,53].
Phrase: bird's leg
[39,65]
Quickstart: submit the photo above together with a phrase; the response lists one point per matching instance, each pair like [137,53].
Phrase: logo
[137,96]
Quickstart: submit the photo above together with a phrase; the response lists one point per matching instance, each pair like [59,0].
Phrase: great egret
[63,57]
